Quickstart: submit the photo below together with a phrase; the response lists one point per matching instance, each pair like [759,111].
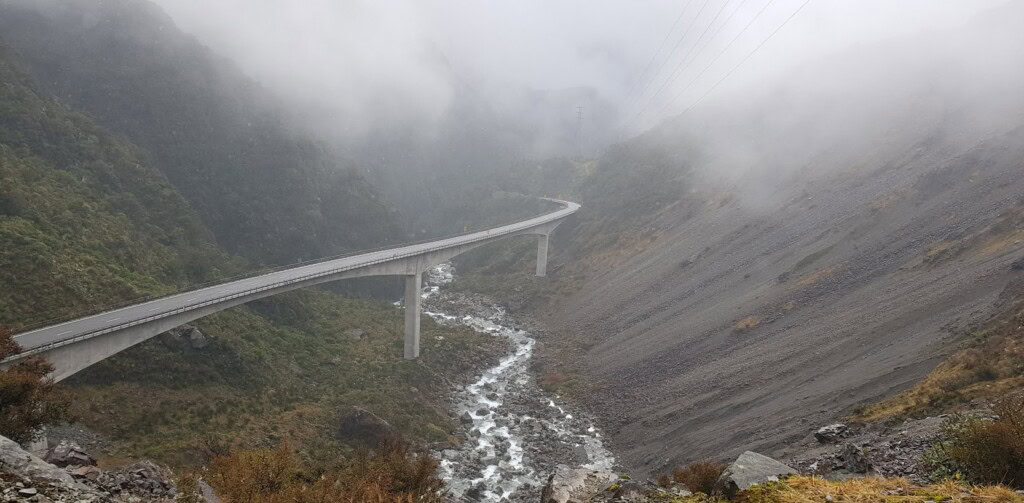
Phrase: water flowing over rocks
[515,434]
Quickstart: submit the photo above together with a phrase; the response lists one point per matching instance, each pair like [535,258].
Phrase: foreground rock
[576,484]
[751,469]
[68,454]
[26,477]
[19,463]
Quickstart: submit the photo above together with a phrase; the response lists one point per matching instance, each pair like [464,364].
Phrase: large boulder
[22,463]
[751,469]
[854,459]
[832,433]
[185,337]
[575,484]
[360,426]
[69,454]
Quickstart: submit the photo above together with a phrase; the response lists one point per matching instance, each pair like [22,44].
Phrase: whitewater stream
[515,433]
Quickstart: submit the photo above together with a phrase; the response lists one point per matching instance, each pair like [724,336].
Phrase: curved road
[44,339]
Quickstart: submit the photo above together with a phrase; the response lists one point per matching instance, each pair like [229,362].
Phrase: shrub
[699,477]
[988,451]
[28,396]
[393,474]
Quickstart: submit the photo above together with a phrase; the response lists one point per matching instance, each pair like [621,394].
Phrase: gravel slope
[855,282]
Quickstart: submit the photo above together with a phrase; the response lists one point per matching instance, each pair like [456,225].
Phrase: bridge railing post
[542,255]
[413,295]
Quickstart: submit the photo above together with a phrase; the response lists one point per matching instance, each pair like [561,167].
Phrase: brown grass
[817,276]
[990,366]
[699,477]
[391,475]
[803,489]
[992,451]
[748,323]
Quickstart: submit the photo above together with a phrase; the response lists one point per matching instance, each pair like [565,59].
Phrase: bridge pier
[413,296]
[542,254]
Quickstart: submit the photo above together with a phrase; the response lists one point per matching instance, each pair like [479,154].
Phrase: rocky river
[515,434]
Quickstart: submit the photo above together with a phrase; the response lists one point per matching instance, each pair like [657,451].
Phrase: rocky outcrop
[185,337]
[576,484]
[360,426]
[21,463]
[751,469]
[832,433]
[68,454]
[26,477]
[854,460]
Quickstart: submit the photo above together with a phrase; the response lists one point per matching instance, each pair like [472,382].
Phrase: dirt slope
[739,326]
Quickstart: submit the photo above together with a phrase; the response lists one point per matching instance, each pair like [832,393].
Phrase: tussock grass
[803,489]
[991,365]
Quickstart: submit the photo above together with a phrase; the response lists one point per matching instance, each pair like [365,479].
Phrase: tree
[29,398]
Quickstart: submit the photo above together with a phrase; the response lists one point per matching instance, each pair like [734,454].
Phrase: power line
[632,88]
[713,37]
[748,56]
[686,31]
[676,70]
[718,56]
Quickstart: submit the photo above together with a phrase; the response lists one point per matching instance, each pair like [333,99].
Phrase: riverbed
[515,433]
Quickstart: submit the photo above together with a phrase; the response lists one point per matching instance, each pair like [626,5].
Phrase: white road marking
[65,332]
[114,319]
[154,309]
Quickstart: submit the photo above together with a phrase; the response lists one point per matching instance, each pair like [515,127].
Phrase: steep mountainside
[86,221]
[266,191]
[765,264]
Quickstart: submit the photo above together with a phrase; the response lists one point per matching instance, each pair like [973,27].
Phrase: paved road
[113,320]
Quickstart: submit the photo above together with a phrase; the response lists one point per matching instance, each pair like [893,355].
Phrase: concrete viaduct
[74,345]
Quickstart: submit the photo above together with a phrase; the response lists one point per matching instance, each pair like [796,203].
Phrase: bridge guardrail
[488,234]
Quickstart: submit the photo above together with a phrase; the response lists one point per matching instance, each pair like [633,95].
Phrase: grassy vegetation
[83,221]
[86,222]
[990,365]
[984,450]
[392,474]
[266,191]
[281,371]
[807,489]
[802,489]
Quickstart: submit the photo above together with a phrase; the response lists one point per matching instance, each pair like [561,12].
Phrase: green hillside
[86,222]
[265,190]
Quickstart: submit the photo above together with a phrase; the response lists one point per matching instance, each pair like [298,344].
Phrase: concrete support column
[413,295]
[542,255]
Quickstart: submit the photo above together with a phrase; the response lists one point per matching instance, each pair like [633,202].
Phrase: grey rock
[575,484]
[750,469]
[69,454]
[20,462]
[466,418]
[185,336]
[854,460]
[832,433]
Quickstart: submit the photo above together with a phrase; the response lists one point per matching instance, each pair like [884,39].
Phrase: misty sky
[371,59]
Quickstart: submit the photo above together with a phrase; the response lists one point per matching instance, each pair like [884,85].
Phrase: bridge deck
[41,339]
